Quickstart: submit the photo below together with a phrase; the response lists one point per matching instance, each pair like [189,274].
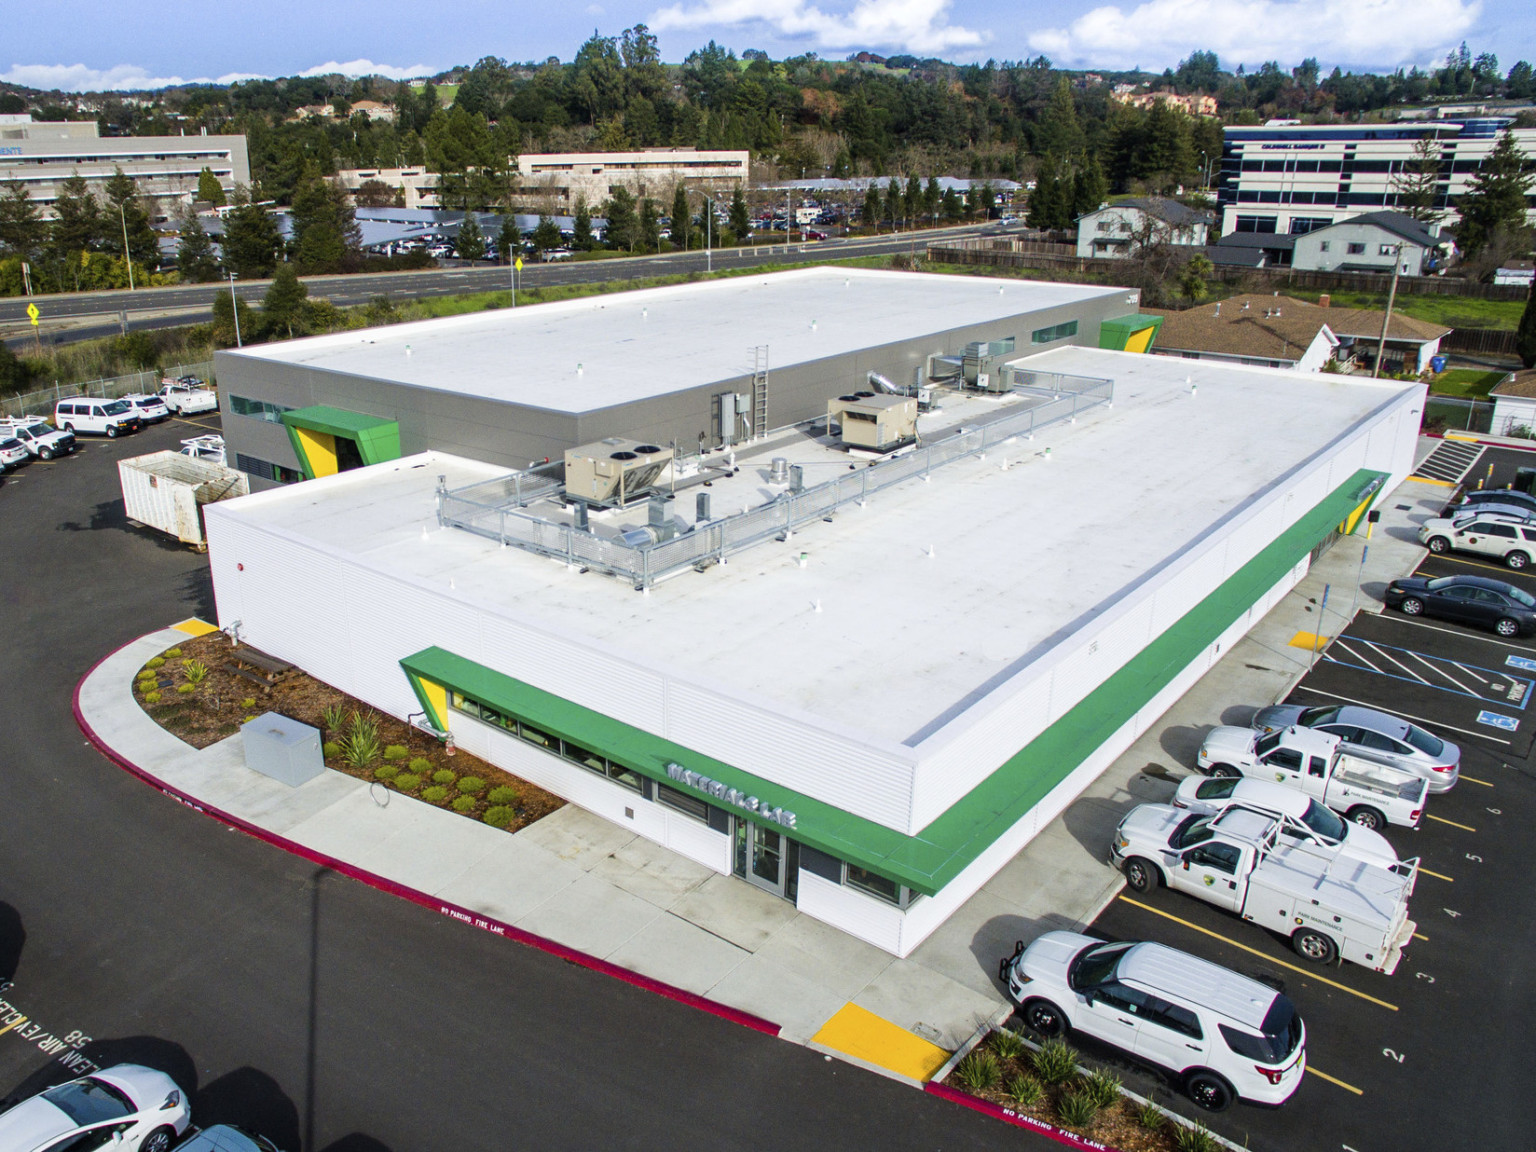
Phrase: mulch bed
[224,700]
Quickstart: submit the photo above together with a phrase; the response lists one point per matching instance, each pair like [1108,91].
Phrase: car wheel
[1208,1090]
[1141,875]
[111,431]
[160,1140]
[1507,627]
[1413,606]
[1517,559]
[1045,1018]
[45,453]
[69,428]
[1368,818]
[1439,545]
[1224,771]
[1314,946]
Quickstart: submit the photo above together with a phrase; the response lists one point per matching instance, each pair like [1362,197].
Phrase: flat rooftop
[583,355]
[910,609]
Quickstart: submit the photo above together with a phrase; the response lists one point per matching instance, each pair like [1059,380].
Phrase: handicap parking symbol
[1494,720]
[1524,663]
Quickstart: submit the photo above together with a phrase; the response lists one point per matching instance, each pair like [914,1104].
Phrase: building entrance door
[762,858]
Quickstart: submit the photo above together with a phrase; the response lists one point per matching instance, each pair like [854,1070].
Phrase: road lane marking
[1452,823]
[1405,716]
[1438,876]
[1262,955]
[1335,1081]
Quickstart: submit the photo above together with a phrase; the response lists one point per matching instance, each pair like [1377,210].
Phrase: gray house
[1118,229]
[1368,243]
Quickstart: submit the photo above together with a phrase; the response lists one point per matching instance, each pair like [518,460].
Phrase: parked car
[1467,599]
[1224,1035]
[12,451]
[125,1108]
[1502,497]
[188,396]
[226,1138]
[150,408]
[1511,539]
[1304,817]
[1377,734]
[38,437]
[109,418]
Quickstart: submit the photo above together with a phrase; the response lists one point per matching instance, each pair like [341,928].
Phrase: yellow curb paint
[1452,823]
[11,1025]
[1310,640]
[1331,1080]
[195,627]
[861,1033]
[1438,876]
[1437,484]
[1466,439]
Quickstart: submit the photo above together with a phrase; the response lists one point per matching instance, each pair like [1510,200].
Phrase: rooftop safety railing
[497,509]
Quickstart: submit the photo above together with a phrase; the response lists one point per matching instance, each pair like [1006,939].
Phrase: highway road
[89,315]
[302,1004]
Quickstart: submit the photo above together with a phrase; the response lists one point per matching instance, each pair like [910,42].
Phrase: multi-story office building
[165,169]
[1292,178]
[562,178]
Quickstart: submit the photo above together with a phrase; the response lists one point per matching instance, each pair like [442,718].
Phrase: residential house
[1372,242]
[1514,404]
[1118,229]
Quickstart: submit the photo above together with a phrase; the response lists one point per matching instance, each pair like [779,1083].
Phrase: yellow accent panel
[1140,341]
[1311,641]
[437,700]
[861,1033]
[1354,517]
[195,627]
[320,448]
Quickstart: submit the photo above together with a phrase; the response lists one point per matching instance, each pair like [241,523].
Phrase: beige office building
[554,181]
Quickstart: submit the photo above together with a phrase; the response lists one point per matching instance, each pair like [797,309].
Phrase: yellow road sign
[518,264]
[32,314]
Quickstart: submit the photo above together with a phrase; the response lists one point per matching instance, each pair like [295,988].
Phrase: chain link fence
[41,402]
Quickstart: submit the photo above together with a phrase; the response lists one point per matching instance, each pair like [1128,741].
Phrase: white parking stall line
[1340,644]
[1377,649]
[1464,635]
[1443,672]
[1469,672]
[1437,724]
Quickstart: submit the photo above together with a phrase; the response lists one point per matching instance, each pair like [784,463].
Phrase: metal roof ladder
[759,391]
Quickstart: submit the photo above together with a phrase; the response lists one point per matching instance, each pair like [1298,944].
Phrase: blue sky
[85,44]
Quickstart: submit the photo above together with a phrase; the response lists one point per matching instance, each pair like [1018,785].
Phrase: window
[533,735]
[682,802]
[1222,857]
[1507,531]
[1256,224]
[874,884]
[260,409]
[1181,1020]
[1058,332]
[1356,249]
[1528,533]
[1317,767]
[1322,245]
[1387,250]
[1285,758]
[255,466]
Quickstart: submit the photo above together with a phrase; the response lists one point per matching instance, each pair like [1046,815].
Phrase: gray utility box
[283,749]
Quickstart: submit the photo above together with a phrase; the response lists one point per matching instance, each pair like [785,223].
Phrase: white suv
[150,408]
[1225,1036]
[1507,538]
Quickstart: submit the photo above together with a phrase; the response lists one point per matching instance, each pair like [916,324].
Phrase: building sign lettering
[728,795]
[10,151]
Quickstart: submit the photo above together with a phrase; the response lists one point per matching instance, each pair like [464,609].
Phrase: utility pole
[1381,345]
[709,221]
[234,306]
[127,256]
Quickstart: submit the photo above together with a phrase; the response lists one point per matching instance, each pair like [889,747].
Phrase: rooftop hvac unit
[875,423]
[614,472]
[983,362]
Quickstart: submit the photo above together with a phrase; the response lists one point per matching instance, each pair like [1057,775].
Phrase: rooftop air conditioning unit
[983,362]
[875,423]
[614,472]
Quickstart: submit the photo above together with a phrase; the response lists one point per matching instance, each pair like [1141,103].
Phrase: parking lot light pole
[234,307]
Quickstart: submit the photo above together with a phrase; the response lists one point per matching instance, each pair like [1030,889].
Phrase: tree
[951,207]
[741,219]
[932,195]
[546,236]
[682,217]
[1060,134]
[14,373]
[986,200]
[1415,185]
[209,190]
[374,194]
[21,231]
[471,241]
[1496,197]
[325,233]
[1525,335]
[872,206]
[912,199]
[251,239]
[78,224]
[650,228]
[582,240]
[621,219]
[225,331]
[127,212]
[1088,188]
[1045,202]
[1193,275]
[892,202]
[286,295]
[196,260]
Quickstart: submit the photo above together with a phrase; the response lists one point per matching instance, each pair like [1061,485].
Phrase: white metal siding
[873,921]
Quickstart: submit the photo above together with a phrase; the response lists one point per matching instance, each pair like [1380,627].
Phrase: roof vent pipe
[701,508]
[796,478]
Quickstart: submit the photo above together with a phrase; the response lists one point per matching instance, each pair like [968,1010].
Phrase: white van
[83,414]
[1224,1035]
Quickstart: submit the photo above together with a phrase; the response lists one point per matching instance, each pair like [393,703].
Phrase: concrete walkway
[591,891]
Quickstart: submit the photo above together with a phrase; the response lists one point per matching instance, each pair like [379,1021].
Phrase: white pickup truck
[1366,791]
[38,437]
[1326,903]
[187,397]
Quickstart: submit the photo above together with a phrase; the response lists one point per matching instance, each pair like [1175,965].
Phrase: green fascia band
[377,439]
[936,855]
[1116,333]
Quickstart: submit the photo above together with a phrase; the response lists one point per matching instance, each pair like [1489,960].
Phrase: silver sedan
[1379,735]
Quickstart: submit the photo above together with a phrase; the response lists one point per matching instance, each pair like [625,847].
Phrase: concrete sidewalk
[590,890]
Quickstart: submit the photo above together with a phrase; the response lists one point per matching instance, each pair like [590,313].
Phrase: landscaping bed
[188,692]
[1044,1084]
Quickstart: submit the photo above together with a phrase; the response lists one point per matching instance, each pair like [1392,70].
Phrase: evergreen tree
[1525,335]
[21,229]
[650,227]
[1496,198]
[209,190]
[872,207]
[932,195]
[1060,134]
[226,332]
[950,206]
[584,241]
[682,217]
[325,233]
[893,202]
[986,200]
[1045,200]
[127,213]
[14,373]
[196,261]
[251,239]
[285,297]
[78,224]
[546,237]
[741,219]
[1088,188]
[471,240]
[912,199]
[509,239]
[622,222]
[1415,185]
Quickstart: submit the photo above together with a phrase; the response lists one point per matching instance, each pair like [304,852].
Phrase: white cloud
[132,78]
[1159,33]
[916,25]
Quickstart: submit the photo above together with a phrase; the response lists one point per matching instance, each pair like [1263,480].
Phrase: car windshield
[1266,744]
[37,429]
[1095,965]
[1281,1032]
[89,1101]
[1218,788]
[1324,822]
[117,408]
[1312,717]
[1425,742]
[1194,830]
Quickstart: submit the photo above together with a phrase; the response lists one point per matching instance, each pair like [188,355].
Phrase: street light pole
[127,256]
[709,223]
[234,307]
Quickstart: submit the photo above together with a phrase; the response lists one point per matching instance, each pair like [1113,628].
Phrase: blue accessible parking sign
[1494,720]
[1524,663]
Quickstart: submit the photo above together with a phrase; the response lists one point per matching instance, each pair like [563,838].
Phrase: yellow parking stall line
[1452,823]
[195,627]
[859,1032]
[1438,876]
[1475,780]
[1264,955]
[1421,936]
[12,1024]
[1333,1080]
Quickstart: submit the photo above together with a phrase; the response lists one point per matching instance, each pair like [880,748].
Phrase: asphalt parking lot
[1438,1054]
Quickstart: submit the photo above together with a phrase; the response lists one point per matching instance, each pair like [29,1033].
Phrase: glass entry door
[761,857]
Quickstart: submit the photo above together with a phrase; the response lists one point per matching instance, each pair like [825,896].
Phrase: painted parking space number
[1391,1055]
[1425,976]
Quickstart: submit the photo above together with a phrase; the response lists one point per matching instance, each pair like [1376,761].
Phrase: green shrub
[1194,1139]
[151,697]
[360,749]
[471,785]
[154,662]
[444,776]
[463,803]
[1077,1108]
[172,653]
[146,685]
[331,750]
[333,716]
[186,689]
[248,719]
[386,772]
[195,671]
[146,673]
[396,752]
[1103,1088]
[1008,1045]
[248,703]
[1024,1090]
[502,794]
[498,816]
[978,1070]
[435,794]
[1055,1062]
[407,781]
[1150,1116]
[421,766]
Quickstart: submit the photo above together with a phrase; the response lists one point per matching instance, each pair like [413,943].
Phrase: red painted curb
[1017,1119]
[454,911]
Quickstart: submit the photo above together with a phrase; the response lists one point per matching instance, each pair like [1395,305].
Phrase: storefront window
[682,802]
[874,884]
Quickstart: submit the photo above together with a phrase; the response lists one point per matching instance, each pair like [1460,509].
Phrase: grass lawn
[1471,383]
[1452,311]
